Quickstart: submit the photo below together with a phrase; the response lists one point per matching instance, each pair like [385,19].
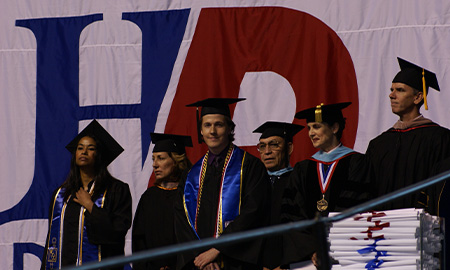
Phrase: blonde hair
[182,164]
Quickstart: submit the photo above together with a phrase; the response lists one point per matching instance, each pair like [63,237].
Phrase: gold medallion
[322,204]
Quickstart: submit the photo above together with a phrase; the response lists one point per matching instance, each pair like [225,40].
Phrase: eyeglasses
[272,146]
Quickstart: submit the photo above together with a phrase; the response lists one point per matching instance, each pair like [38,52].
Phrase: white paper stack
[394,239]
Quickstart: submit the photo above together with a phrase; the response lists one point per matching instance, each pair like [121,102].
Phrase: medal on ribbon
[322,204]
[325,175]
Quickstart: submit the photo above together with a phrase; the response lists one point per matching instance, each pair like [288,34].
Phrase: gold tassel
[318,113]
[424,90]
[199,133]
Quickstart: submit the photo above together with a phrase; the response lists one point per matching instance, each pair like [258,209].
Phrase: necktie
[217,161]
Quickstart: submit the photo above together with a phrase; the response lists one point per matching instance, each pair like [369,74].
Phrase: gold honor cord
[186,211]
[219,228]
[439,199]
[424,90]
[80,237]
[81,227]
[100,246]
[53,255]
[200,188]
[61,229]
[81,230]
[240,191]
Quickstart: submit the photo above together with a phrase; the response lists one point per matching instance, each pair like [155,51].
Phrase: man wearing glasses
[275,147]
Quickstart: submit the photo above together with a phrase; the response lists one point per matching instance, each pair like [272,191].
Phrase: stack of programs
[395,239]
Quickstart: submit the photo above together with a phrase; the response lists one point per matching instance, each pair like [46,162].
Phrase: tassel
[199,133]
[424,90]
[318,113]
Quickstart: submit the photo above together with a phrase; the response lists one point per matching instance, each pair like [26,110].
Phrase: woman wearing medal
[333,178]
[90,213]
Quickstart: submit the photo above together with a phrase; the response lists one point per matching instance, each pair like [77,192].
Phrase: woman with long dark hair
[153,224]
[90,213]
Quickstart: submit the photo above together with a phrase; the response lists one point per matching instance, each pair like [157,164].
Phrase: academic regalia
[273,246]
[106,226]
[401,157]
[76,236]
[411,152]
[346,188]
[153,225]
[326,182]
[224,194]
[252,214]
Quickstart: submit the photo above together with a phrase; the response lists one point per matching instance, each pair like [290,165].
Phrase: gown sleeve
[183,230]
[139,242]
[298,245]
[357,188]
[153,226]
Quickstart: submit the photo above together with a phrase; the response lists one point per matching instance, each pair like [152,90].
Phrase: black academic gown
[400,158]
[153,225]
[348,187]
[273,247]
[105,226]
[253,214]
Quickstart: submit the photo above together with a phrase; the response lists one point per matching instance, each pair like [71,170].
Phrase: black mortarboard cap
[411,75]
[416,77]
[213,106]
[281,129]
[329,113]
[170,142]
[112,148]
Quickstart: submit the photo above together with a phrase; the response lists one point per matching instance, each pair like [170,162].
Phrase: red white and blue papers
[395,239]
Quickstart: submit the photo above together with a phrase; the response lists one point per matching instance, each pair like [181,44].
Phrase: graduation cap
[170,142]
[112,148]
[416,77]
[323,113]
[213,106]
[281,129]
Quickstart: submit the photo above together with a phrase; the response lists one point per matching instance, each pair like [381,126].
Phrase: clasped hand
[205,261]
[84,198]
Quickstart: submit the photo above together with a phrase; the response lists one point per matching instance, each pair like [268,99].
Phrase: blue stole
[338,153]
[280,172]
[230,191]
[86,251]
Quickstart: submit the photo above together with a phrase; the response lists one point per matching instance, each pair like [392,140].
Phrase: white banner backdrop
[112,81]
